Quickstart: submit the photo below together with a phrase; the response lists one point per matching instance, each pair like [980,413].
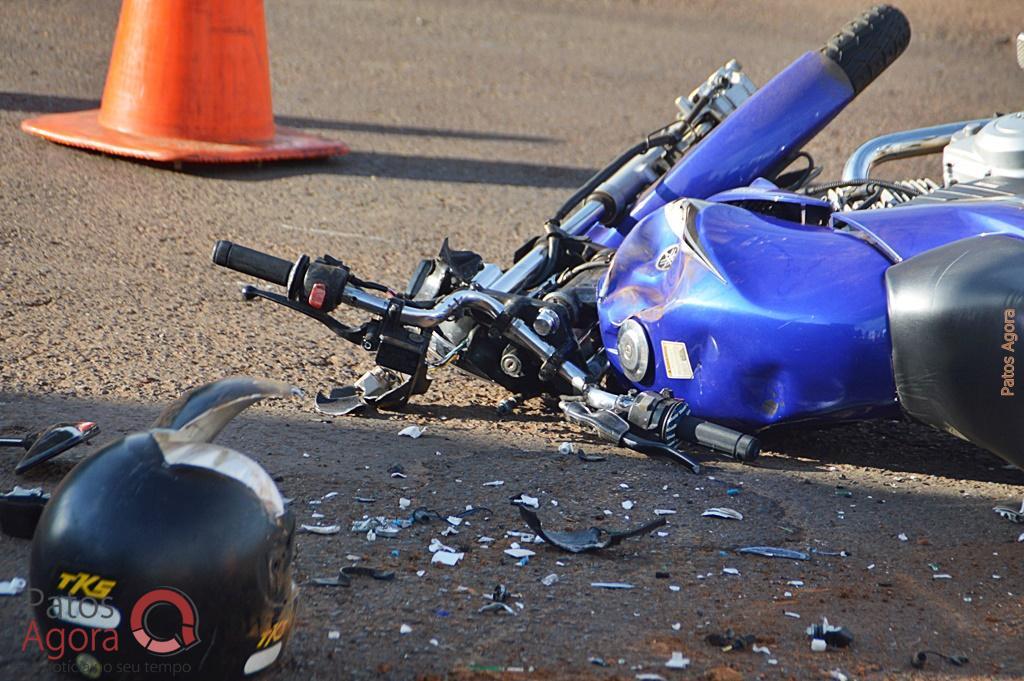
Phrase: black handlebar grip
[739,446]
[869,44]
[253,263]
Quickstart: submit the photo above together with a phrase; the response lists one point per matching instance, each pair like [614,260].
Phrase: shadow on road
[358,163]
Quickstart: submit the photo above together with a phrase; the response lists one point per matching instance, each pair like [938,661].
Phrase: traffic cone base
[81,129]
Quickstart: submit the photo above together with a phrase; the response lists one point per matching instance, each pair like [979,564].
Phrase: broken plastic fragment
[677,661]
[497,606]
[436,546]
[404,503]
[526,500]
[592,539]
[729,640]
[449,558]
[762,649]
[519,552]
[721,512]
[334,635]
[13,586]
[1011,511]
[322,529]
[818,645]
[774,552]
[550,580]
[628,505]
[919,659]
[794,615]
[411,431]
[902,537]
[837,637]
[405,629]
[340,401]
[611,585]
[664,511]
[494,483]
[730,571]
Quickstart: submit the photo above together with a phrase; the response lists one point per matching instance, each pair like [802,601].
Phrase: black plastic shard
[582,541]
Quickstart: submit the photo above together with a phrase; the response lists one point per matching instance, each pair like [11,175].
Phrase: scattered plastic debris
[611,585]
[942,575]
[404,629]
[597,661]
[677,661]
[550,580]
[837,637]
[1021,537]
[818,645]
[837,675]
[730,571]
[823,552]
[721,512]
[592,539]
[365,500]
[518,552]
[526,500]
[12,587]
[628,505]
[494,483]
[677,626]
[664,511]
[649,677]
[902,536]
[774,552]
[567,448]
[1011,511]
[497,606]
[346,573]
[843,492]
[729,640]
[411,431]
[762,650]
[333,635]
[922,656]
[794,615]
[795,582]
[397,471]
[733,491]
[322,529]
[404,503]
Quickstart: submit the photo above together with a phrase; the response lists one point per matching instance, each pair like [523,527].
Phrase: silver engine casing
[995,149]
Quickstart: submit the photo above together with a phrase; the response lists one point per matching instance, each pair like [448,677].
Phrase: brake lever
[614,428]
[353,334]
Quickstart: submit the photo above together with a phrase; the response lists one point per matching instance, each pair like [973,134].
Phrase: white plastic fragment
[485,540]
[550,580]
[677,626]
[662,534]
[436,545]
[494,483]
[794,615]
[517,552]
[12,587]
[329,495]
[404,503]
[730,571]
[762,649]
[527,500]
[795,582]
[454,520]
[611,585]
[420,573]
[627,505]
[837,675]
[434,642]
[664,511]
[942,575]
[566,448]
[1021,537]
[818,645]
[674,587]
[449,558]
[405,629]
[322,529]
[722,512]
[677,661]
[411,431]
[317,516]
[333,635]
[902,537]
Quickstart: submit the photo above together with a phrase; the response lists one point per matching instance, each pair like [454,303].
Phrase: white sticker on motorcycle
[677,360]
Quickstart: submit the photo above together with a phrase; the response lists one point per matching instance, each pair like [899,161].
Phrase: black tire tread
[869,44]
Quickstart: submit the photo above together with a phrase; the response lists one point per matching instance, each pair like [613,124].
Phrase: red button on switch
[317,295]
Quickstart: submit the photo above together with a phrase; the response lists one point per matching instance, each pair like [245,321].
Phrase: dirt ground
[474,120]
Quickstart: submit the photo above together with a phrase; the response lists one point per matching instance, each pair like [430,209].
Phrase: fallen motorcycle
[701,288]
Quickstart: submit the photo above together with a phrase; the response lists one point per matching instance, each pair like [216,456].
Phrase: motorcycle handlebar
[739,446]
[252,262]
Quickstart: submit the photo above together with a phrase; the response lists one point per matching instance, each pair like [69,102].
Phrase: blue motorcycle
[703,287]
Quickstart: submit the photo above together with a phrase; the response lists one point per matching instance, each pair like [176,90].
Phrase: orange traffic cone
[189,81]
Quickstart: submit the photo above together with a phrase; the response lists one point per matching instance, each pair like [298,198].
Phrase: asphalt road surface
[473,121]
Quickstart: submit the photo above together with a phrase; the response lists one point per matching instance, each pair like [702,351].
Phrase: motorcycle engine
[995,149]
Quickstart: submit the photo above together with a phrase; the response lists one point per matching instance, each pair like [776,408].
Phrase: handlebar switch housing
[656,416]
[322,284]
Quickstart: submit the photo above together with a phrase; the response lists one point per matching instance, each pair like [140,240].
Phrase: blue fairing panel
[774,321]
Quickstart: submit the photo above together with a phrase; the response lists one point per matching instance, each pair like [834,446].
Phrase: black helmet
[163,554]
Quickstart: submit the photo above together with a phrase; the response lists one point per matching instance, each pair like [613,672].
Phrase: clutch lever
[614,428]
[353,334]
